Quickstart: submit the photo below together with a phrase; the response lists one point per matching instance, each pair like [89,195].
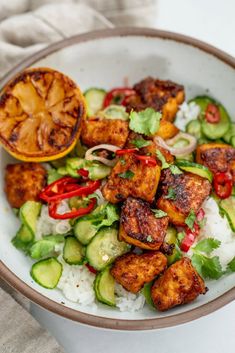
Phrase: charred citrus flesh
[40,115]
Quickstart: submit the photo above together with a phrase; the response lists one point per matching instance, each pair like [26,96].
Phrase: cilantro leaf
[140,142]
[122,161]
[126,175]
[207,246]
[175,170]
[180,236]
[171,194]
[207,267]
[159,213]
[145,122]
[231,265]
[162,159]
[190,219]
[149,239]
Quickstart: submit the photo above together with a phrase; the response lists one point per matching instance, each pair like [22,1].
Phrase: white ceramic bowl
[106,59]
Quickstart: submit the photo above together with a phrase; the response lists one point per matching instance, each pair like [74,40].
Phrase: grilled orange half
[41,111]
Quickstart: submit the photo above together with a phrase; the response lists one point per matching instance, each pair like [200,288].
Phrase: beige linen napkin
[27,26]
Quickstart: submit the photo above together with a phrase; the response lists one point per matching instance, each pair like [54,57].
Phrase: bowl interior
[109,62]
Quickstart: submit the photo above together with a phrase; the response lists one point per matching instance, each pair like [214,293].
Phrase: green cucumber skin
[99,95]
[229,211]
[194,167]
[29,213]
[212,131]
[146,291]
[35,277]
[96,286]
[85,240]
[103,234]
[71,241]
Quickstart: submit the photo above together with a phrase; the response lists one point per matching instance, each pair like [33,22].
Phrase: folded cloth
[27,26]
[20,333]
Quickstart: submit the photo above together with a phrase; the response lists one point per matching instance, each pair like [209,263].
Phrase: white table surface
[211,21]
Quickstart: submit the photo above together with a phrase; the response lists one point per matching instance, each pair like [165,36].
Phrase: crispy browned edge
[41,300]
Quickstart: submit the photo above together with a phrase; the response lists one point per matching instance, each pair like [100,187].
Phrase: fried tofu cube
[140,227]
[24,182]
[132,271]
[166,130]
[163,96]
[181,193]
[179,284]
[151,149]
[131,177]
[99,131]
[218,157]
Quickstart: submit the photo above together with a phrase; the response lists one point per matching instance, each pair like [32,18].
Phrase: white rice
[47,225]
[186,113]
[127,301]
[217,227]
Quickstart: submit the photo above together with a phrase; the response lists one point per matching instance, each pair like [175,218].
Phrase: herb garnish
[145,122]
[171,194]
[126,175]
[159,213]
[140,142]
[190,220]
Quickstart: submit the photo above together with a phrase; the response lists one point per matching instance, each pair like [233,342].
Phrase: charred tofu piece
[131,177]
[181,193]
[218,157]
[163,96]
[140,227]
[179,284]
[132,271]
[23,182]
[99,131]
[167,130]
[151,149]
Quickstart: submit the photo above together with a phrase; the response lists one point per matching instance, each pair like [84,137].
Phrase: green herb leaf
[231,265]
[126,175]
[207,267]
[140,142]
[207,245]
[162,159]
[190,219]
[149,238]
[171,194]
[122,161]
[180,236]
[145,122]
[159,213]
[175,170]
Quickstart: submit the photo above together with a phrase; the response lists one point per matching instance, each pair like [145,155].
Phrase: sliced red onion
[180,151]
[90,157]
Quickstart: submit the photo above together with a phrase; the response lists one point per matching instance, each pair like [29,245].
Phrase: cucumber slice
[104,248]
[29,213]
[232,141]
[73,252]
[98,171]
[213,131]
[195,168]
[147,293]
[23,239]
[94,99]
[84,231]
[194,128]
[104,287]
[171,238]
[113,112]
[227,207]
[47,272]
[230,133]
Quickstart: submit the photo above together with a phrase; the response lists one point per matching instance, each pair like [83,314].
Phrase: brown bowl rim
[75,315]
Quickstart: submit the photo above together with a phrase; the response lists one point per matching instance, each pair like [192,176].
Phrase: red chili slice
[223,184]
[83,172]
[126,151]
[188,240]
[150,161]
[212,114]
[91,269]
[52,207]
[117,96]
